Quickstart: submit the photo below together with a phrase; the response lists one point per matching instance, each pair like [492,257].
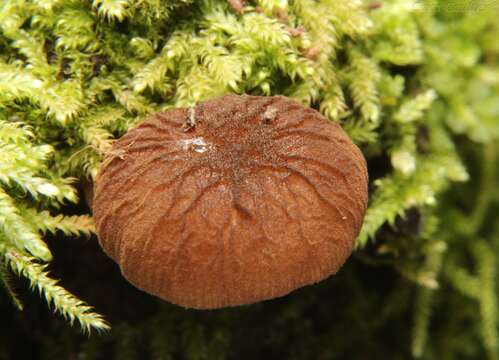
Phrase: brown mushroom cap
[259,197]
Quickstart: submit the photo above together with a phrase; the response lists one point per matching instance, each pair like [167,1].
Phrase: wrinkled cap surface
[253,198]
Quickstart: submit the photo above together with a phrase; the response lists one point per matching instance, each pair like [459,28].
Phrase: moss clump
[416,86]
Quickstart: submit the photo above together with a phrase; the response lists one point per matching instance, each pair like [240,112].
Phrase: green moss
[416,86]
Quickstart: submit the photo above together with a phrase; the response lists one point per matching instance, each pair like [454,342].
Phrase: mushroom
[260,197]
